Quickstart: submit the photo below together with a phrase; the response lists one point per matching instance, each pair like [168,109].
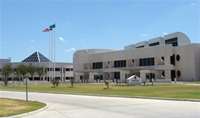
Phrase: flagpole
[52,54]
[54,48]
[49,53]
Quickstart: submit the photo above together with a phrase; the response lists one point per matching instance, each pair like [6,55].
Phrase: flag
[47,30]
[52,26]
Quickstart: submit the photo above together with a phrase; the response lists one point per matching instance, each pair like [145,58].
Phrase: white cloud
[193,3]
[32,41]
[61,39]
[144,35]
[70,50]
[165,33]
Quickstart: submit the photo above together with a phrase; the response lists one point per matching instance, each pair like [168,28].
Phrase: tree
[6,71]
[72,82]
[31,69]
[40,71]
[22,69]
[17,73]
[106,83]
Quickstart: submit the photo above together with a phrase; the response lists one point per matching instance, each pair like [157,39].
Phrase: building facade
[163,58]
[63,71]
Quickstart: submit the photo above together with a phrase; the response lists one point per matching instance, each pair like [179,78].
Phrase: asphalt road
[78,106]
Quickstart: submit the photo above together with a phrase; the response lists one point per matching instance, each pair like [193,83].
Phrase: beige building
[163,58]
[63,71]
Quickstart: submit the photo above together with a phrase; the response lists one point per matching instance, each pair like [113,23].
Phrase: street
[78,106]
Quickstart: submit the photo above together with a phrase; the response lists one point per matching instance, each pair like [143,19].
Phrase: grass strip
[10,107]
[158,90]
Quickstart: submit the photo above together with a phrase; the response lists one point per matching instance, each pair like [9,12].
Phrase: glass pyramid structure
[36,57]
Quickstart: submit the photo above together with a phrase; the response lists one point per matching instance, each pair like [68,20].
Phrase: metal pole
[52,53]
[26,90]
[54,50]
[49,53]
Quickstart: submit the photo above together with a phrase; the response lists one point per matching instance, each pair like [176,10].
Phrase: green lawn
[9,107]
[159,90]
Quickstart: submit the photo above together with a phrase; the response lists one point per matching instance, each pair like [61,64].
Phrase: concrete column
[143,75]
[91,77]
[61,74]
[136,62]
[168,75]
[77,77]
[167,60]
[127,63]
[43,78]
[122,75]
[157,75]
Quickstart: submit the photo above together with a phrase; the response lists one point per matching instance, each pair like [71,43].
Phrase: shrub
[55,82]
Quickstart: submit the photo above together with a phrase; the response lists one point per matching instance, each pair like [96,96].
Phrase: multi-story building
[63,71]
[163,58]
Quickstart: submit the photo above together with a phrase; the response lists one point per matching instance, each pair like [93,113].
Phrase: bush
[106,83]
[55,82]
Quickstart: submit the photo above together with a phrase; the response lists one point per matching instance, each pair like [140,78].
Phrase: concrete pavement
[78,106]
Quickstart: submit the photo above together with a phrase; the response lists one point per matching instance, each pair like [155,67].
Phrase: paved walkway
[77,106]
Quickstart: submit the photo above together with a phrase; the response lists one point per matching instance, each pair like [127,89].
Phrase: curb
[28,113]
[137,97]
[119,96]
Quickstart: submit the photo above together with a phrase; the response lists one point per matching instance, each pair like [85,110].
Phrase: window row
[173,41]
[59,69]
[147,62]
[121,63]
[154,44]
[97,65]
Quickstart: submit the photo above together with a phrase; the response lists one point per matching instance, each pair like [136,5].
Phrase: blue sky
[87,24]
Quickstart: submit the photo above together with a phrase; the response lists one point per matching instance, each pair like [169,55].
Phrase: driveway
[78,106]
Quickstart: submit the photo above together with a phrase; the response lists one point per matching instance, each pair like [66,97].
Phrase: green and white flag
[52,26]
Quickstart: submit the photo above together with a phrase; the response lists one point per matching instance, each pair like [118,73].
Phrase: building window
[132,60]
[172,59]
[67,69]
[57,69]
[117,75]
[121,63]
[178,73]
[173,41]
[147,62]
[177,57]
[154,44]
[140,46]
[163,74]
[162,59]
[50,69]
[71,69]
[98,65]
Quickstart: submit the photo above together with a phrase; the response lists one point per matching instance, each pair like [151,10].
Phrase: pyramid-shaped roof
[36,57]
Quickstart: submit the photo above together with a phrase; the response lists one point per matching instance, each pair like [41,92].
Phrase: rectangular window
[140,46]
[172,60]
[57,69]
[50,69]
[154,44]
[98,65]
[147,62]
[173,41]
[121,63]
[117,75]
[67,69]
